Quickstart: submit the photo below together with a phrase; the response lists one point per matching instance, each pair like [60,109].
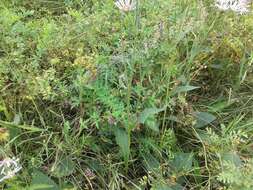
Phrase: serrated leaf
[42,182]
[149,112]
[122,140]
[186,88]
[63,168]
[203,119]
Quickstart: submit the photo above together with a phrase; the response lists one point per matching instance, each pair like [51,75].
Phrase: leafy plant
[156,96]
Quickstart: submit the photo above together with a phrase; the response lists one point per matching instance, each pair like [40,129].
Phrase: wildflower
[8,168]
[4,134]
[239,6]
[126,5]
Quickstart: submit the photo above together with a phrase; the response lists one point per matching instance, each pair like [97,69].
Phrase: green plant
[93,97]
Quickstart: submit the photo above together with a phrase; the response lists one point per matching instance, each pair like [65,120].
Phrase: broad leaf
[64,167]
[182,162]
[203,119]
[151,163]
[160,186]
[41,181]
[40,187]
[149,112]
[123,141]
[152,123]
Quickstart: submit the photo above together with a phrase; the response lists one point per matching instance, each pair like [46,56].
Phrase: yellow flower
[4,134]
[87,63]
[83,60]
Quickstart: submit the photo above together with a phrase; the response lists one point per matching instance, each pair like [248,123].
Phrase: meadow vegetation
[160,97]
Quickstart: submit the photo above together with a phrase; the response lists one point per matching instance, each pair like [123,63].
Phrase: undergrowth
[156,98]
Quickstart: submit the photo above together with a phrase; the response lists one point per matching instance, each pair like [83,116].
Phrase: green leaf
[40,187]
[182,162]
[203,119]
[186,88]
[231,157]
[220,105]
[197,171]
[123,141]
[16,119]
[26,127]
[66,130]
[41,181]
[151,163]
[161,186]
[149,112]
[152,123]
[63,168]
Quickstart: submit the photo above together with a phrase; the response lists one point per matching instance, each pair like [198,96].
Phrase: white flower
[126,5]
[239,6]
[8,168]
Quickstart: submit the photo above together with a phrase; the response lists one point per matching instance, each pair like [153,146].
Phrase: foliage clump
[158,96]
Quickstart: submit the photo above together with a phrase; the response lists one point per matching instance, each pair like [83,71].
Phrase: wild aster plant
[8,168]
[126,5]
[239,6]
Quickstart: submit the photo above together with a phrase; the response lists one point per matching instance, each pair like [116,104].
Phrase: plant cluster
[145,94]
